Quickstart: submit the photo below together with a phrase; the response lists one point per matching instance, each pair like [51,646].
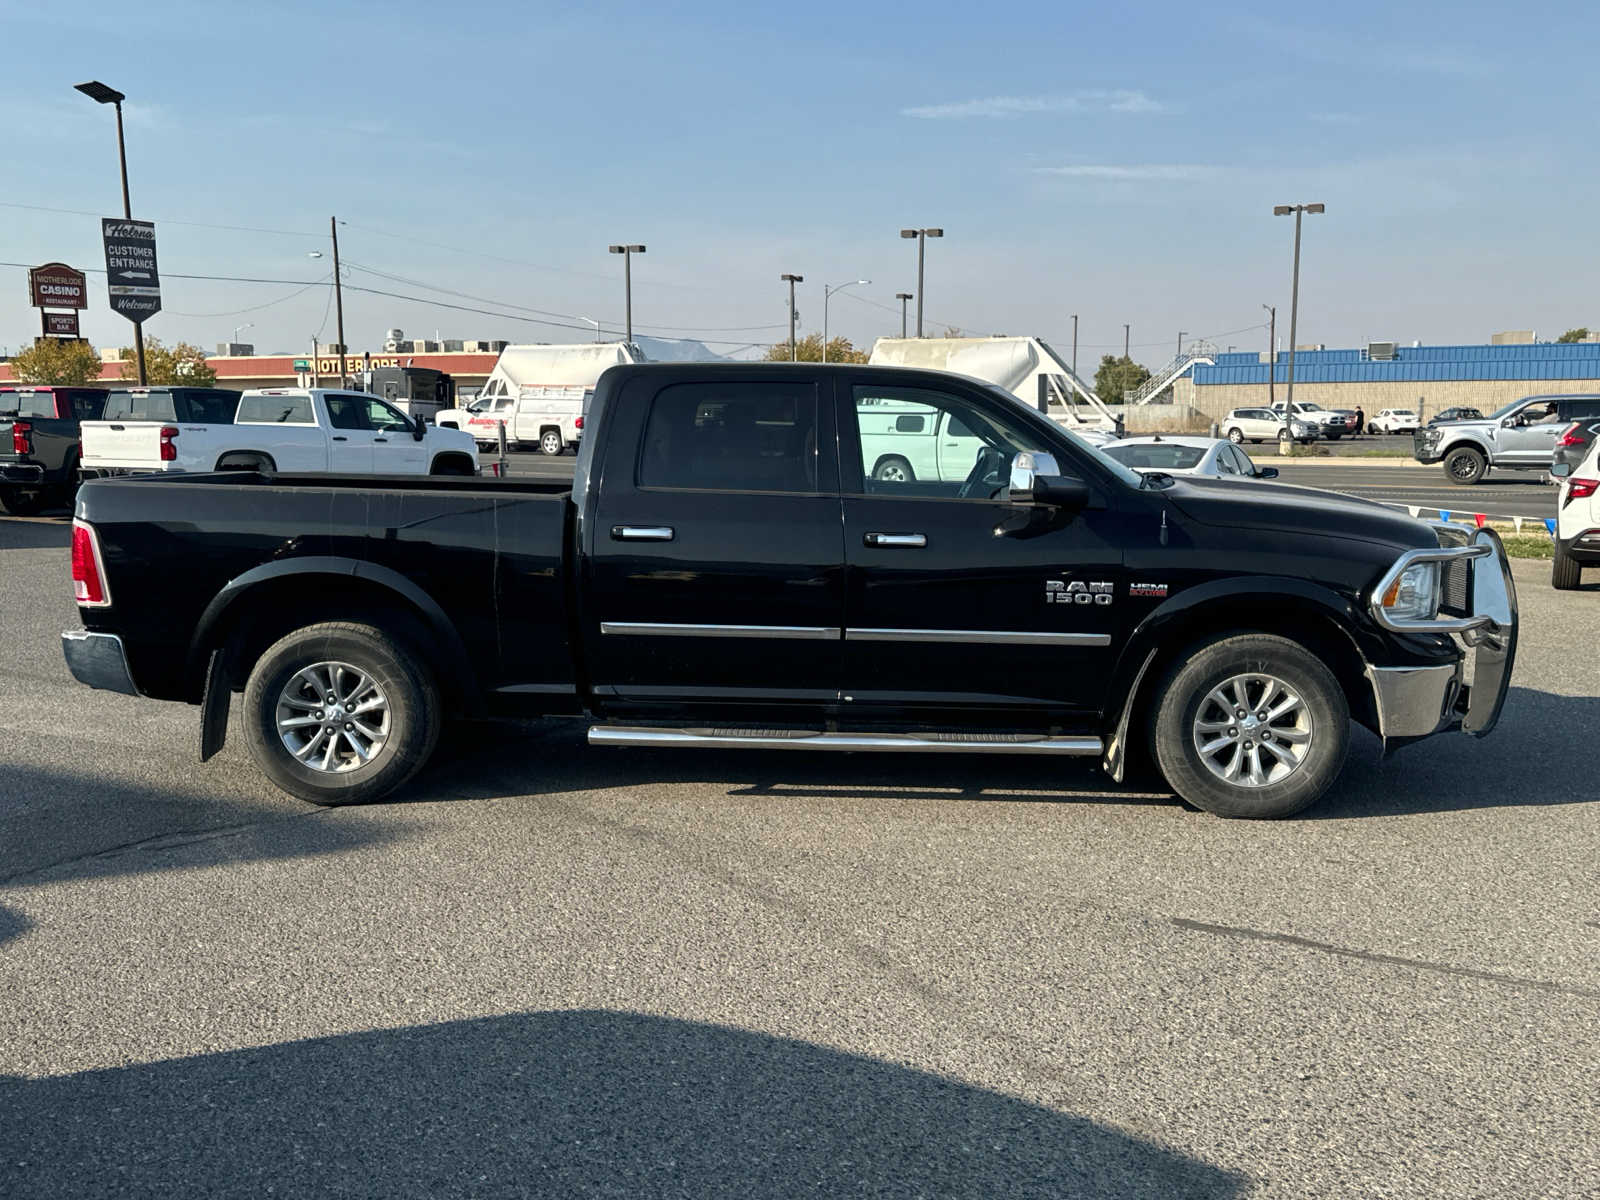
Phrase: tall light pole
[922,236]
[902,297]
[1074,343]
[791,280]
[592,321]
[1272,354]
[1299,210]
[102,94]
[828,290]
[1125,329]
[627,252]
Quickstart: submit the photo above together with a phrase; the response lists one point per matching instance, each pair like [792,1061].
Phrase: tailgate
[122,443]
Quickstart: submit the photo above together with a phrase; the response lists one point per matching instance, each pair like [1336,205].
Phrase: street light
[101,94]
[1299,210]
[236,328]
[902,297]
[596,324]
[627,252]
[922,236]
[1125,333]
[1074,343]
[828,290]
[791,280]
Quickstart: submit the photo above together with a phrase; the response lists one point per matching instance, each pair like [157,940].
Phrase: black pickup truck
[40,445]
[732,567]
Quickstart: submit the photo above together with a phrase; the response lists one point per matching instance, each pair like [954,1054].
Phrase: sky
[1120,162]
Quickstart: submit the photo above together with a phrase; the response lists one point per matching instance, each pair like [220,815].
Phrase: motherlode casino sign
[56,285]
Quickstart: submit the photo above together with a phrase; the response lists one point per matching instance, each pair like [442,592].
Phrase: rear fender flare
[454,662]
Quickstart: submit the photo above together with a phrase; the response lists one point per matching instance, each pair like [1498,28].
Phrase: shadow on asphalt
[36,533]
[57,825]
[484,760]
[561,1104]
[12,924]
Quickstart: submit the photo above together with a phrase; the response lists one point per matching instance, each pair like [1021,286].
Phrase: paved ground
[551,970]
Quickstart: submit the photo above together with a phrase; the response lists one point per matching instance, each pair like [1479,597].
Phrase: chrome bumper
[98,660]
[1414,702]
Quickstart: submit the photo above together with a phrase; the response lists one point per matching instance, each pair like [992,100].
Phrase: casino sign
[56,285]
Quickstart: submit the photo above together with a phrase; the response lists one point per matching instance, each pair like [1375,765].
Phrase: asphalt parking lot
[555,970]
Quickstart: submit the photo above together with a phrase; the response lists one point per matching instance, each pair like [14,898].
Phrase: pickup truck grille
[1456,588]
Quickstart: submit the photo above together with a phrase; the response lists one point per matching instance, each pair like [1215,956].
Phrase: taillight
[578,424]
[169,452]
[21,437]
[1570,436]
[1582,489]
[88,571]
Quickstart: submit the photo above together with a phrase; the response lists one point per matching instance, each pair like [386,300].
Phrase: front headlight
[1414,595]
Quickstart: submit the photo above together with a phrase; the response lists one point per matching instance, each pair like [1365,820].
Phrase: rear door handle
[380,439]
[339,437]
[900,541]
[641,533]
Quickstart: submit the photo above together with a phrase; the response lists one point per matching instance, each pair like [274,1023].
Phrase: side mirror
[1266,472]
[419,429]
[1035,480]
[1561,470]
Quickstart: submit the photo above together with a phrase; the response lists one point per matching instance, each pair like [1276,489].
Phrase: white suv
[1394,420]
[1577,520]
[1264,425]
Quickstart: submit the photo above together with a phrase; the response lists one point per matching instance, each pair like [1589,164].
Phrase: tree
[183,364]
[1574,335]
[809,349]
[57,363]
[1118,374]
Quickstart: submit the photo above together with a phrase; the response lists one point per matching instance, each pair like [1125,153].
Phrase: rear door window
[140,406]
[275,410]
[1579,409]
[735,437]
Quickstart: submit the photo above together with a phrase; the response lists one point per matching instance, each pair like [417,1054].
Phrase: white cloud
[1119,100]
[1131,171]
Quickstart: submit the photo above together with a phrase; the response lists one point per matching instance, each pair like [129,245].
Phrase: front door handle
[339,437]
[897,541]
[641,533]
[380,439]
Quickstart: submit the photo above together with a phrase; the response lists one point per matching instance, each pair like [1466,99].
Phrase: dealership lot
[561,969]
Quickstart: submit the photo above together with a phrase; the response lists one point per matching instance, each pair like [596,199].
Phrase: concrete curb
[1349,460]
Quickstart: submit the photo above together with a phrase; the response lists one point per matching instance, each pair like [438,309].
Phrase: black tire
[1566,572]
[1235,435]
[21,502]
[1186,690]
[551,442]
[1464,466]
[1372,430]
[451,467]
[406,684]
[892,468]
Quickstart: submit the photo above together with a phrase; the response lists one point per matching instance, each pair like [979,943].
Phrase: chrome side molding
[978,637]
[805,739]
[788,633]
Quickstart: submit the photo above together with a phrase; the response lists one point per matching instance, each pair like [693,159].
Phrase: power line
[258,307]
[79,212]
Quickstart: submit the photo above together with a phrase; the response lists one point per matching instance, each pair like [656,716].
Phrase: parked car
[39,444]
[1332,424]
[1520,437]
[271,429]
[1394,420]
[1265,425]
[1577,519]
[1572,445]
[1459,413]
[726,571]
[1215,458]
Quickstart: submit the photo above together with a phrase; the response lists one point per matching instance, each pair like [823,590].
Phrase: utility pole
[902,297]
[1299,210]
[922,236]
[791,280]
[1272,354]
[1125,329]
[1074,343]
[338,297]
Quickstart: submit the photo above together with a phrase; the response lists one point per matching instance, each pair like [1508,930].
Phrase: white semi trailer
[541,393]
[1024,366]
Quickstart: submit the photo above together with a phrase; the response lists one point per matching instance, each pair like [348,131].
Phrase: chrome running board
[806,739]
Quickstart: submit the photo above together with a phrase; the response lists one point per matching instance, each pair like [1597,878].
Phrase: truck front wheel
[551,442]
[340,713]
[1250,725]
[1465,465]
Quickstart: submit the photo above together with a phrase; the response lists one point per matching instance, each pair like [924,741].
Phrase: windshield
[1158,456]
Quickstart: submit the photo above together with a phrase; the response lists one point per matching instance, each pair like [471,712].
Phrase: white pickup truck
[274,429]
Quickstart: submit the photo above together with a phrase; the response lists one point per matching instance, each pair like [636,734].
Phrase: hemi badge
[1148,590]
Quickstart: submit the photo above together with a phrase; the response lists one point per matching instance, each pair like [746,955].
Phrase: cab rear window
[28,404]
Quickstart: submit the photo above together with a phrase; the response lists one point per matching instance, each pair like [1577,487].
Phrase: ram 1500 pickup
[727,569]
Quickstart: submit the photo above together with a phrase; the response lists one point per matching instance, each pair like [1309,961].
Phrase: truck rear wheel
[1566,573]
[21,502]
[1465,466]
[340,713]
[551,442]
[1250,725]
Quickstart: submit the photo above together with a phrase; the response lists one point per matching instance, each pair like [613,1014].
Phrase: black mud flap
[214,707]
